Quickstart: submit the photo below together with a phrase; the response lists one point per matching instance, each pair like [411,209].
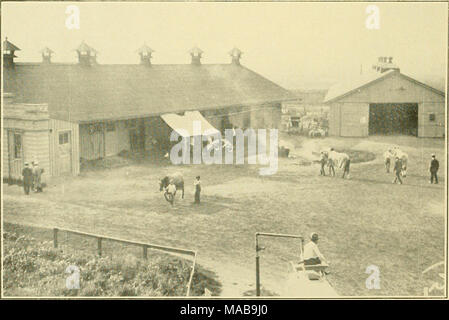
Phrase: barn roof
[9,46]
[343,89]
[102,92]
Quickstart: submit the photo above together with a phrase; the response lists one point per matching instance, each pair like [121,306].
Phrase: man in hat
[27,174]
[397,170]
[434,166]
[197,185]
[312,254]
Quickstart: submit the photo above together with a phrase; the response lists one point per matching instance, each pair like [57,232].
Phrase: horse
[388,159]
[176,179]
[338,159]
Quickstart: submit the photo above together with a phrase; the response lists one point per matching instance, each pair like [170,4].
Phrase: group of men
[32,177]
[332,158]
[400,159]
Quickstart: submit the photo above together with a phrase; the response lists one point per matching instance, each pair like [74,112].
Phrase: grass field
[362,221]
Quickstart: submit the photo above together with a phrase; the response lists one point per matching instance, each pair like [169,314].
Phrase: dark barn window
[431,116]
[64,138]
[17,146]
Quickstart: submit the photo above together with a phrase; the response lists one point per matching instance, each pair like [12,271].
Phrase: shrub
[38,269]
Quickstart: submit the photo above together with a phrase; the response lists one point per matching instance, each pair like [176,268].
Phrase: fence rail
[144,246]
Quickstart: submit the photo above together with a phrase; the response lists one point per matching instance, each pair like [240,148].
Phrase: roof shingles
[100,92]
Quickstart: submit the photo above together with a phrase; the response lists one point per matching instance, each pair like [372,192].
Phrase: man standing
[27,174]
[397,170]
[330,162]
[312,254]
[346,165]
[323,161]
[434,166]
[197,185]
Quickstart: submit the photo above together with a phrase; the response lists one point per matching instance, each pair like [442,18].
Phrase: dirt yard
[362,221]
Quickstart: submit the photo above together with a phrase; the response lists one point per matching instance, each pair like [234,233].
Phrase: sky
[297,45]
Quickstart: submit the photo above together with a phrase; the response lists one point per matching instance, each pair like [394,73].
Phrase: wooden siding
[5,153]
[335,119]
[34,132]
[37,147]
[393,89]
[355,117]
[91,144]
[57,127]
[427,127]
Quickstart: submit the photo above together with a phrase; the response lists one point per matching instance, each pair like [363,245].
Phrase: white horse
[388,159]
[337,159]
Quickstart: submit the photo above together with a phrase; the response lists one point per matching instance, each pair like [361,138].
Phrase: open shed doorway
[393,119]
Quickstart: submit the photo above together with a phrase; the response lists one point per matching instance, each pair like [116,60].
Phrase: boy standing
[197,185]
[434,166]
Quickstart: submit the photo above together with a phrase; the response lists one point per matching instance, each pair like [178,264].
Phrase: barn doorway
[393,119]
[64,153]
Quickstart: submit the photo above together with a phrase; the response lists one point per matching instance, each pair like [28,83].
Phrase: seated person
[312,255]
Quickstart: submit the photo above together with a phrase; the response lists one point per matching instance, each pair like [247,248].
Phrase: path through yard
[362,221]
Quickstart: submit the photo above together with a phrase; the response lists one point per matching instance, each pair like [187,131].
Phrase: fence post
[145,252]
[99,246]
[55,237]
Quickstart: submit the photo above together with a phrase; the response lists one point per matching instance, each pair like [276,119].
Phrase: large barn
[64,114]
[386,102]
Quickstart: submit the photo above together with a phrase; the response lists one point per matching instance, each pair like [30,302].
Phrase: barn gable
[386,103]
[392,86]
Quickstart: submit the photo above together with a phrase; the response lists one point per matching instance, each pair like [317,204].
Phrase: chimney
[385,64]
[46,55]
[87,56]
[8,53]
[235,54]
[145,53]
[196,54]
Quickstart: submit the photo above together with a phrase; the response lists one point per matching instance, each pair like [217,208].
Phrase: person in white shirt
[312,254]
[170,192]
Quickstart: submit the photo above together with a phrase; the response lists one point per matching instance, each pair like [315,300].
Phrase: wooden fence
[144,247]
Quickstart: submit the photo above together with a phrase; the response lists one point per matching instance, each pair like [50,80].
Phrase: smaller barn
[386,102]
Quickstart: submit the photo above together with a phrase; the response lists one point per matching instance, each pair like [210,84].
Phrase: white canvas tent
[190,124]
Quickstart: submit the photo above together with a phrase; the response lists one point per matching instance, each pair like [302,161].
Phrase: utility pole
[258,248]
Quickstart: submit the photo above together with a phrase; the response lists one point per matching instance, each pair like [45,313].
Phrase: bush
[37,268]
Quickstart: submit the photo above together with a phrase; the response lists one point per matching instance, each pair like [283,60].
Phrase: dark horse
[176,179]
